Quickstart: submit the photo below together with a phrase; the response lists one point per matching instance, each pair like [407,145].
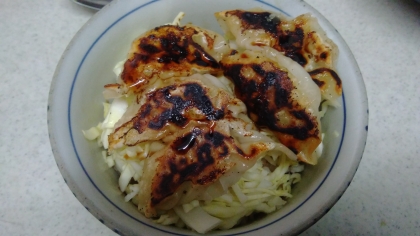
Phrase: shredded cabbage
[178,18]
[92,133]
[198,219]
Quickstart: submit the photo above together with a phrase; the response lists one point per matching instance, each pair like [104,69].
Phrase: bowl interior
[75,104]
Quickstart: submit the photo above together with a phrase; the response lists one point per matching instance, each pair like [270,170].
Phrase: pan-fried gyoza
[302,39]
[207,130]
[171,51]
[280,95]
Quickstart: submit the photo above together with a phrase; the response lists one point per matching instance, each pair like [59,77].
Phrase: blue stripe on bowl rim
[134,218]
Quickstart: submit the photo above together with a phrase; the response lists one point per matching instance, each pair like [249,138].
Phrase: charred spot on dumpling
[196,94]
[215,138]
[331,72]
[149,48]
[318,82]
[328,82]
[204,156]
[218,142]
[159,121]
[302,132]
[257,20]
[202,166]
[291,43]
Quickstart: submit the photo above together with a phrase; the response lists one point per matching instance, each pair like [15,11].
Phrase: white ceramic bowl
[75,103]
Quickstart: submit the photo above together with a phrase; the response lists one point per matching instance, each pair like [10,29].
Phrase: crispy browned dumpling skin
[199,157]
[301,39]
[170,51]
[329,83]
[267,90]
[164,112]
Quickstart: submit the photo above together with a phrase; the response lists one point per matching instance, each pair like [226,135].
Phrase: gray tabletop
[383,198]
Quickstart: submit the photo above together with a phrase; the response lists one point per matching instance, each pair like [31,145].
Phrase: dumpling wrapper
[171,51]
[209,142]
[280,95]
[302,39]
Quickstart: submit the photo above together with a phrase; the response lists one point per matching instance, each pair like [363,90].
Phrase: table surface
[383,198]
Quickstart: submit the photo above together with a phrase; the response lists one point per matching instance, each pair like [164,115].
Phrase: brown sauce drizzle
[183,144]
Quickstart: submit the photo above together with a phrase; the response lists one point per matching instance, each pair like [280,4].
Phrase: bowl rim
[97,212]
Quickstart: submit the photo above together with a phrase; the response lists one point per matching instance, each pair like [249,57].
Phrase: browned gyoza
[209,142]
[301,39]
[275,101]
[171,51]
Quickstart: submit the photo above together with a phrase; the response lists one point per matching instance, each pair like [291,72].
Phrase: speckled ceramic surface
[75,103]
